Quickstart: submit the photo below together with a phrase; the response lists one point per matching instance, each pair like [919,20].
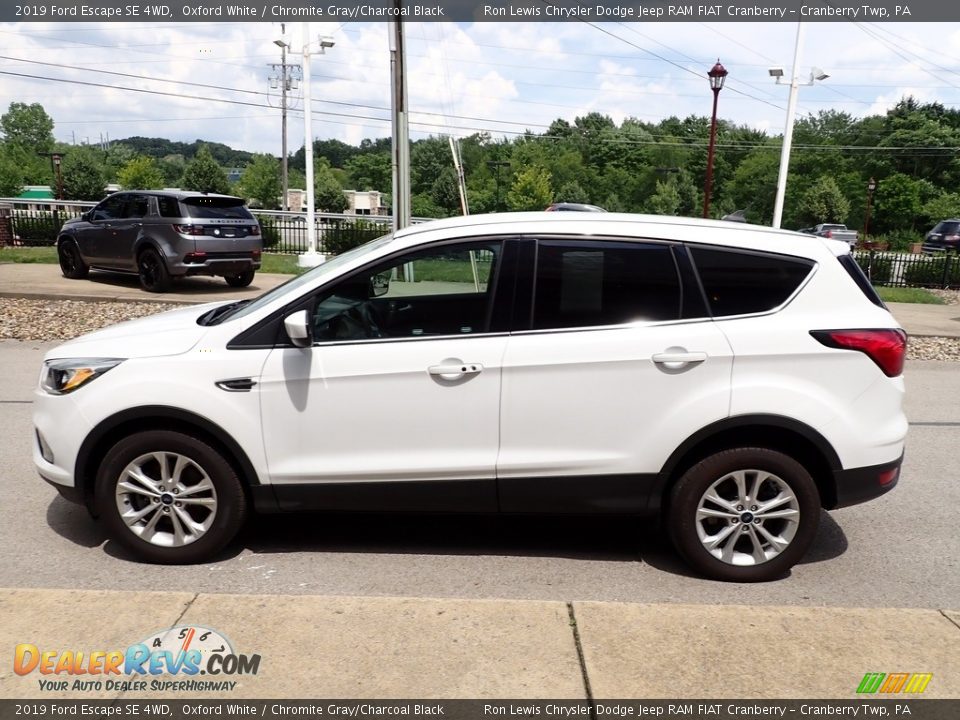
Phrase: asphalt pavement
[402,607]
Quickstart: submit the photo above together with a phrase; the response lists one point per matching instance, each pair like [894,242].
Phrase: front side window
[110,209]
[588,284]
[441,291]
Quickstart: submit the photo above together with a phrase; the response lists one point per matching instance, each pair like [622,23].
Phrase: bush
[899,240]
[269,230]
[342,235]
[876,267]
[938,272]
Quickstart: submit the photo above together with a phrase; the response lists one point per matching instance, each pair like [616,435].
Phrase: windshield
[328,268]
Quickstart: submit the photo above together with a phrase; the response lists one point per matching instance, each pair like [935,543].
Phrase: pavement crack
[185,609]
[580,659]
[950,619]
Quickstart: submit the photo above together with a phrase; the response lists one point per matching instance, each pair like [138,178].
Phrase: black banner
[341,11]
[906,707]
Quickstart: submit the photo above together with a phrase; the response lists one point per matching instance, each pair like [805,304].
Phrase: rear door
[614,367]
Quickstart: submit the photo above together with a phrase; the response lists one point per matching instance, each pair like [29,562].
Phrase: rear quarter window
[169,207]
[739,282]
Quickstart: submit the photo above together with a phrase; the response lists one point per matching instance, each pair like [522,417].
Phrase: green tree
[370,171]
[941,207]
[754,185]
[204,175]
[327,190]
[28,126]
[83,176]
[531,190]
[896,204]
[140,173]
[824,202]
[665,201]
[261,182]
[11,176]
[572,192]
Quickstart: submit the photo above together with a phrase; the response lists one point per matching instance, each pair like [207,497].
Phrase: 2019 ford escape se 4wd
[162,235]
[730,378]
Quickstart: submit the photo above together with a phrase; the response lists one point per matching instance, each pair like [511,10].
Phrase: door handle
[678,359]
[452,370]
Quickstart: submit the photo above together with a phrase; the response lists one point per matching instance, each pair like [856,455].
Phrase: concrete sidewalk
[45,282]
[330,647]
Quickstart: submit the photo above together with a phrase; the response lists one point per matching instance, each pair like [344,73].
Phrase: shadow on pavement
[197,285]
[72,522]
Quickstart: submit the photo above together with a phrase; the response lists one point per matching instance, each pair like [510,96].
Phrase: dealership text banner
[476,11]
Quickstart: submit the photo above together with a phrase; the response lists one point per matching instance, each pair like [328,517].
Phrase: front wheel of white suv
[169,498]
[744,515]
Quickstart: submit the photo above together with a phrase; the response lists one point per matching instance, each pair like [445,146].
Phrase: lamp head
[776,72]
[818,74]
[717,75]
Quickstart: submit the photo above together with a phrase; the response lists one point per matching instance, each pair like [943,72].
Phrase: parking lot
[899,551]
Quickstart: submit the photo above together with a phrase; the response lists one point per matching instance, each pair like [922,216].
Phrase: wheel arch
[158,417]
[791,437]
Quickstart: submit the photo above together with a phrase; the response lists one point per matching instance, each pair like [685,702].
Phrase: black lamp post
[871,186]
[717,75]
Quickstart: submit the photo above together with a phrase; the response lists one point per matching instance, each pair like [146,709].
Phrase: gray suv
[162,235]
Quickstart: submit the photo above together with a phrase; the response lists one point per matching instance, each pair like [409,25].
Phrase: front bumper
[858,485]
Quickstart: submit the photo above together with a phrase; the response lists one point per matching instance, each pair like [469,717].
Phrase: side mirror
[87,215]
[298,328]
[380,284]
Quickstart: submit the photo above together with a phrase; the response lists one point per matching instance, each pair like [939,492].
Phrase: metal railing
[38,222]
[892,269]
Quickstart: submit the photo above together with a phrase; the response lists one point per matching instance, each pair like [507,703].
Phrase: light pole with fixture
[285,78]
[311,258]
[871,186]
[816,75]
[717,75]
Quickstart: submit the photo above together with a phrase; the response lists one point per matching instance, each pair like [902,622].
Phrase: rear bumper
[858,485]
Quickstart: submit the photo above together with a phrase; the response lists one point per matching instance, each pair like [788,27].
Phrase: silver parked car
[161,235]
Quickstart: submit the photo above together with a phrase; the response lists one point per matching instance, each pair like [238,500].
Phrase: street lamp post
[717,75]
[496,165]
[285,78]
[777,72]
[311,258]
[871,186]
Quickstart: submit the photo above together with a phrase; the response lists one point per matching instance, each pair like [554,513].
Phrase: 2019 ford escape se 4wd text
[728,378]
[162,235]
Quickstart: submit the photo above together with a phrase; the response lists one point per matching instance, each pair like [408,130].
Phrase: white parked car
[731,378]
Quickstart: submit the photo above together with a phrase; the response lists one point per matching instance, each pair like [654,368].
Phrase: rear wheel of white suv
[744,515]
[169,498]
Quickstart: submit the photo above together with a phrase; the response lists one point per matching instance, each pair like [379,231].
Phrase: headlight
[60,377]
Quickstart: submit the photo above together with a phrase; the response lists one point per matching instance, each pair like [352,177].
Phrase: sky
[502,78]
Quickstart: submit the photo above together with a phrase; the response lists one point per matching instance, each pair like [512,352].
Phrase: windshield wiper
[219,314]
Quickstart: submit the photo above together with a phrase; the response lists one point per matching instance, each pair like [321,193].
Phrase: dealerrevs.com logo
[168,661]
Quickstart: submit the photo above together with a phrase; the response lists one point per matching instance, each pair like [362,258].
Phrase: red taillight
[887,348]
[190,229]
[829,234]
[255,230]
[888,476]
[195,258]
[255,254]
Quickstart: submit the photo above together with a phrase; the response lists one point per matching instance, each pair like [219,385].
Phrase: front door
[396,404]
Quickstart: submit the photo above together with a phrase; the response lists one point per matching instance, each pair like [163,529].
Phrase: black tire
[777,476]
[154,276]
[240,280]
[71,261]
[206,525]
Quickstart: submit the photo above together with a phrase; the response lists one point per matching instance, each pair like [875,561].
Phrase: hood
[169,333]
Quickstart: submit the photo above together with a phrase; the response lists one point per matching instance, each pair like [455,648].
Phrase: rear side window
[604,283]
[138,206]
[739,283]
[216,207]
[169,207]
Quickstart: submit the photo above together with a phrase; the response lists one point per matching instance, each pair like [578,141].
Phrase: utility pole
[401,134]
[285,77]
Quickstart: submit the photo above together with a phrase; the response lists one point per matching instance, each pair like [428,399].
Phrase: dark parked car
[161,235]
[944,236]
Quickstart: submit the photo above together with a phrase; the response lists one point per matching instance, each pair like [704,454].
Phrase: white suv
[731,378]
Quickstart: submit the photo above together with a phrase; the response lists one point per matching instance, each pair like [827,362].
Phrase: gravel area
[950,297]
[22,319]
